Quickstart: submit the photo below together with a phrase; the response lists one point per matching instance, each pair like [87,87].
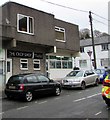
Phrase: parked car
[102,74]
[28,85]
[106,89]
[80,79]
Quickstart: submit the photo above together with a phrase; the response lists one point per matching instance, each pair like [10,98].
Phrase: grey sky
[99,7]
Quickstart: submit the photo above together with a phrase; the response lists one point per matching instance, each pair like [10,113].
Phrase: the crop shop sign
[22,54]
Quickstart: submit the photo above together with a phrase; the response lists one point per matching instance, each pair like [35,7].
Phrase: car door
[33,84]
[45,82]
[87,77]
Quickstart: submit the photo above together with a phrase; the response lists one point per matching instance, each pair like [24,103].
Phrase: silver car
[80,79]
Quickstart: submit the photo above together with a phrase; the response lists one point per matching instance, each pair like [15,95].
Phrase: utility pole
[90,18]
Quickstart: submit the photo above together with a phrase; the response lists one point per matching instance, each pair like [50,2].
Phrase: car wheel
[57,91]
[83,85]
[96,82]
[28,96]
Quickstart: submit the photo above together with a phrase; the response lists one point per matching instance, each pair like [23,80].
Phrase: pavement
[2,94]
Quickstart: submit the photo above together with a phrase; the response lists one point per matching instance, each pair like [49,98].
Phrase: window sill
[60,41]
[25,32]
[23,68]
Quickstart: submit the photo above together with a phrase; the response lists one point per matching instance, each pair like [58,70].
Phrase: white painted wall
[99,55]
[56,74]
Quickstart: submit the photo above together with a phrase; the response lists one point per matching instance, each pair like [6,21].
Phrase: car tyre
[83,85]
[28,96]
[57,91]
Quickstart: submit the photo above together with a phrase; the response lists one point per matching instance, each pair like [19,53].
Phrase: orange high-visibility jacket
[106,87]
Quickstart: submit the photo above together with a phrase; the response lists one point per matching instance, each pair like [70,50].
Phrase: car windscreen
[15,79]
[72,73]
[80,74]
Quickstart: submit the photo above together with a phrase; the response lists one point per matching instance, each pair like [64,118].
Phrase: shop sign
[21,54]
[38,56]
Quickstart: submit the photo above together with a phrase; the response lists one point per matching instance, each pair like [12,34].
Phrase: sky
[73,11]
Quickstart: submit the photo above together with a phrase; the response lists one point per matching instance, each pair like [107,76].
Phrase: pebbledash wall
[29,35]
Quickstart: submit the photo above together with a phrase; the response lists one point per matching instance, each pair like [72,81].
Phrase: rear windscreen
[15,79]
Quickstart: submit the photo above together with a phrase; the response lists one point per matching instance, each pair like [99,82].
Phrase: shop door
[8,69]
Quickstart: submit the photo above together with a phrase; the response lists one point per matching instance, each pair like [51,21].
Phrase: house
[29,36]
[102,51]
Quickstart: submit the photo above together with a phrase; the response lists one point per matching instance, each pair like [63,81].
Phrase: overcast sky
[99,7]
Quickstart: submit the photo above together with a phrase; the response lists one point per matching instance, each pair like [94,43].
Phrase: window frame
[59,29]
[83,63]
[105,47]
[36,61]
[28,26]
[21,68]
[82,50]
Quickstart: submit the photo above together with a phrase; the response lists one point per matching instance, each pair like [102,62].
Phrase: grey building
[28,35]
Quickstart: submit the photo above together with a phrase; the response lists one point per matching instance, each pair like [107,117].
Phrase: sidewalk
[2,94]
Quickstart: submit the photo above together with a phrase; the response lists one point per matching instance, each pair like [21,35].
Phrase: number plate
[11,87]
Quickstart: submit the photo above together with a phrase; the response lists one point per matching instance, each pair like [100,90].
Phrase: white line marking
[67,95]
[87,90]
[22,107]
[57,98]
[98,113]
[79,92]
[79,99]
[86,97]
[93,95]
[36,102]
[42,102]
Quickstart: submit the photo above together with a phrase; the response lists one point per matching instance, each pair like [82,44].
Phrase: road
[73,103]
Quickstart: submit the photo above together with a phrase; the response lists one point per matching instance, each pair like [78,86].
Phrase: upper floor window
[82,49]
[60,34]
[25,24]
[104,47]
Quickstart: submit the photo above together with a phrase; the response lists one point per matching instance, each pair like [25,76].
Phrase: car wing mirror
[51,80]
[85,75]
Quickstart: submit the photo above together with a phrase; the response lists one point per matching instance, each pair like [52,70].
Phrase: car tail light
[21,87]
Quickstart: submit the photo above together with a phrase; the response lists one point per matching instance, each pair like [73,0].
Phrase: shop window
[24,64]
[25,24]
[58,64]
[36,64]
[64,64]
[52,64]
[69,64]
[60,34]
